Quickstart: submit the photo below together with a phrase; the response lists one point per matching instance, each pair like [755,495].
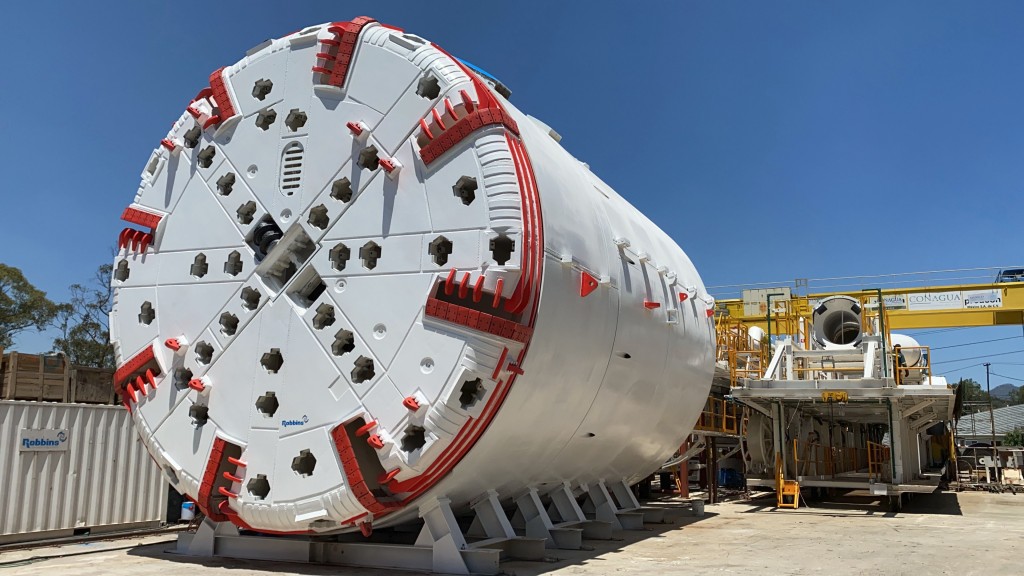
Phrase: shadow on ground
[178,564]
[862,503]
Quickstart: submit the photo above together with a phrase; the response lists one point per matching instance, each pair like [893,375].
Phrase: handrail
[827,461]
[748,359]
[744,355]
[923,370]
[878,461]
[719,416]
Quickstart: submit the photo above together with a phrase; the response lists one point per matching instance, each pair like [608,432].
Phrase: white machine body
[356,276]
[836,323]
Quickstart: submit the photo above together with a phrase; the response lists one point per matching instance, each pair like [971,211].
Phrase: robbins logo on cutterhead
[43,440]
[287,423]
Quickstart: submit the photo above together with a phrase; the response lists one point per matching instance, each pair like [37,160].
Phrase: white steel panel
[103,480]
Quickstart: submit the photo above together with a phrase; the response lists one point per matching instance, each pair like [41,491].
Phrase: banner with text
[948,300]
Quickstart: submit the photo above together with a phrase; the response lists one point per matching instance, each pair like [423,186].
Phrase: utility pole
[992,420]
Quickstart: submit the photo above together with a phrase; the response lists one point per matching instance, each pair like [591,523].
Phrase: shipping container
[69,469]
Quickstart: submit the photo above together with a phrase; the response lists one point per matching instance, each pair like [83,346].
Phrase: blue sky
[772,140]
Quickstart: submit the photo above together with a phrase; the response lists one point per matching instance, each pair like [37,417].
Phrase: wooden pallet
[51,378]
[34,377]
[92,385]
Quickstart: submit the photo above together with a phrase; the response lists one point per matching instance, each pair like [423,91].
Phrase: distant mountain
[1003,391]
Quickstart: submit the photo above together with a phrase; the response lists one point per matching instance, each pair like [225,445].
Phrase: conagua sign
[948,300]
[44,440]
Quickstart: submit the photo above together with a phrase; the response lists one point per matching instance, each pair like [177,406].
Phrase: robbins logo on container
[287,423]
[46,440]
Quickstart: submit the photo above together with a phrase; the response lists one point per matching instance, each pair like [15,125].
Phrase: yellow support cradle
[785,488]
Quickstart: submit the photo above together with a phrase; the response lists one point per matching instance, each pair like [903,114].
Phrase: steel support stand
[440,546]
[628,503]
[493,527]
[600,504]
[204,541]
[534,521]
[565,511]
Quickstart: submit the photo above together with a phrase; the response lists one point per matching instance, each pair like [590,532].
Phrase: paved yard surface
[948,533]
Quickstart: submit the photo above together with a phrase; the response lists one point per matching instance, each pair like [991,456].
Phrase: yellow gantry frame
[1010,313]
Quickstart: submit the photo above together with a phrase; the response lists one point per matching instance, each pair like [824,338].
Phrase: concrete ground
[944,533]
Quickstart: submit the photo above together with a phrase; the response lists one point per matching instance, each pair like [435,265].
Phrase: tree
[973,392]
[1014,437]
[1017,396]
[22,305]
[975,397]
[83,322]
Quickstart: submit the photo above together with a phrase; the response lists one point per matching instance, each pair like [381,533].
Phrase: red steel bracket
[354,475]
[137,239]
[219,92]
[375,441]
[487,112]
[134,367]
[481,321]
[388,476]
[337,53]
[365,428]
[141,217]
[205,497]
[587,284]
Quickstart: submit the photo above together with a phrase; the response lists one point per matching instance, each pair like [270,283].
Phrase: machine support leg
[624,496]
[777,440]
[492,525]
[440,546]
[628,503]
[564,506]
[490,520]
[566,510]
[600,503]
[203,542]
[683,474]
[896,440]
[534,518]
[441,532]
[712,471]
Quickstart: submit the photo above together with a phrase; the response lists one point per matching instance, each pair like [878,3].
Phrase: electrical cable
[911,273]
[977,357]
[941,330]
[871,276]
[963,368]
[894,283]
[1005,376]
[973,343]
